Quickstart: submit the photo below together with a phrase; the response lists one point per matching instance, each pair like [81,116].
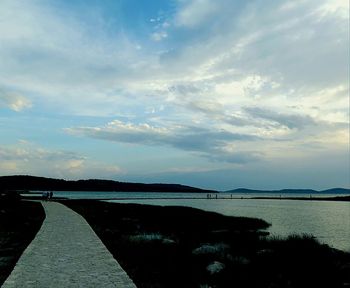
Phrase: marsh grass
[187,247]
[19,223]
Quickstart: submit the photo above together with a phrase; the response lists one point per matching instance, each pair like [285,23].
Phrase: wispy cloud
[205,142]
[192,14]
[226,80]
[158,36]
[28,158]
[288,120]
[14,101]
[241,56]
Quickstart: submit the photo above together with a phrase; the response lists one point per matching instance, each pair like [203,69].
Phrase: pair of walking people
[47,195]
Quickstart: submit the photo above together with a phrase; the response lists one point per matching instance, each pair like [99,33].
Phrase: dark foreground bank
[19,223]
[186,247]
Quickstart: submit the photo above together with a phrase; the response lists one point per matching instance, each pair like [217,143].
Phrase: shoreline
[345,198]
[311,198]
[176,246]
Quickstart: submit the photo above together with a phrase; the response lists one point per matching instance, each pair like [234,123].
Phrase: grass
[19,223]
[187,247]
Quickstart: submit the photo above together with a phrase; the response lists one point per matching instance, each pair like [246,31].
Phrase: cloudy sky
[215,94]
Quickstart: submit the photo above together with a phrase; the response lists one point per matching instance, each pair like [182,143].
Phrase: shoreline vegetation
[184,247]
[19,223]
[187,247]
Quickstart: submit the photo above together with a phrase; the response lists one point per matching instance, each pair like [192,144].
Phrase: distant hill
[337,190]
[303,191]
[24,182]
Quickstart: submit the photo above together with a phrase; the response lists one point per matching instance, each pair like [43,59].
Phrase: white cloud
[338,7]
[238,54]
[8,167]
[59,58]
[194,13]
[256,135]
[28,158]
[267,70]
[159,36]
[14,101]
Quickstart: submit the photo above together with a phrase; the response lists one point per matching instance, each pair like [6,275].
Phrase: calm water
[329,221]
[153,195]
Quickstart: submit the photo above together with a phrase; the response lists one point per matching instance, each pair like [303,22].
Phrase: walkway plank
[66,252]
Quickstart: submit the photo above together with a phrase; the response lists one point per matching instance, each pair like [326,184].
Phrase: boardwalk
[66,253]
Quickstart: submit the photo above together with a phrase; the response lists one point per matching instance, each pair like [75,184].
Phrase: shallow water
[153,195]
[329,221]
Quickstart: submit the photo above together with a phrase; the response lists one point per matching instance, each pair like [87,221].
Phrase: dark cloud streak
[205,142]
[292,121]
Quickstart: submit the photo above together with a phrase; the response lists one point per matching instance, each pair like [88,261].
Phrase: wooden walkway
[66,252]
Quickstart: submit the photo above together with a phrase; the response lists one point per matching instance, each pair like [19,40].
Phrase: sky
[214,94]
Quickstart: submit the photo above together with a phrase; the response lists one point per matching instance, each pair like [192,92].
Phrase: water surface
[329,221]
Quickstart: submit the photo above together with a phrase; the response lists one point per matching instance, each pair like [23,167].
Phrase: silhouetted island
[25,182]
[291,191]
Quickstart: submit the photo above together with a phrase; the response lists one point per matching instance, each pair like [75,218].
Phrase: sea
[328,221]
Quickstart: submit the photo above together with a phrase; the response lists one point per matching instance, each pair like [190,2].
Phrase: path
[66,252]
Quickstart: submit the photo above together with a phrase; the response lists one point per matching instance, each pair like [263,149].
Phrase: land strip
[66,253]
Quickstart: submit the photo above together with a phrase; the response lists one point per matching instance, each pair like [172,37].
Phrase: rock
[215,267]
